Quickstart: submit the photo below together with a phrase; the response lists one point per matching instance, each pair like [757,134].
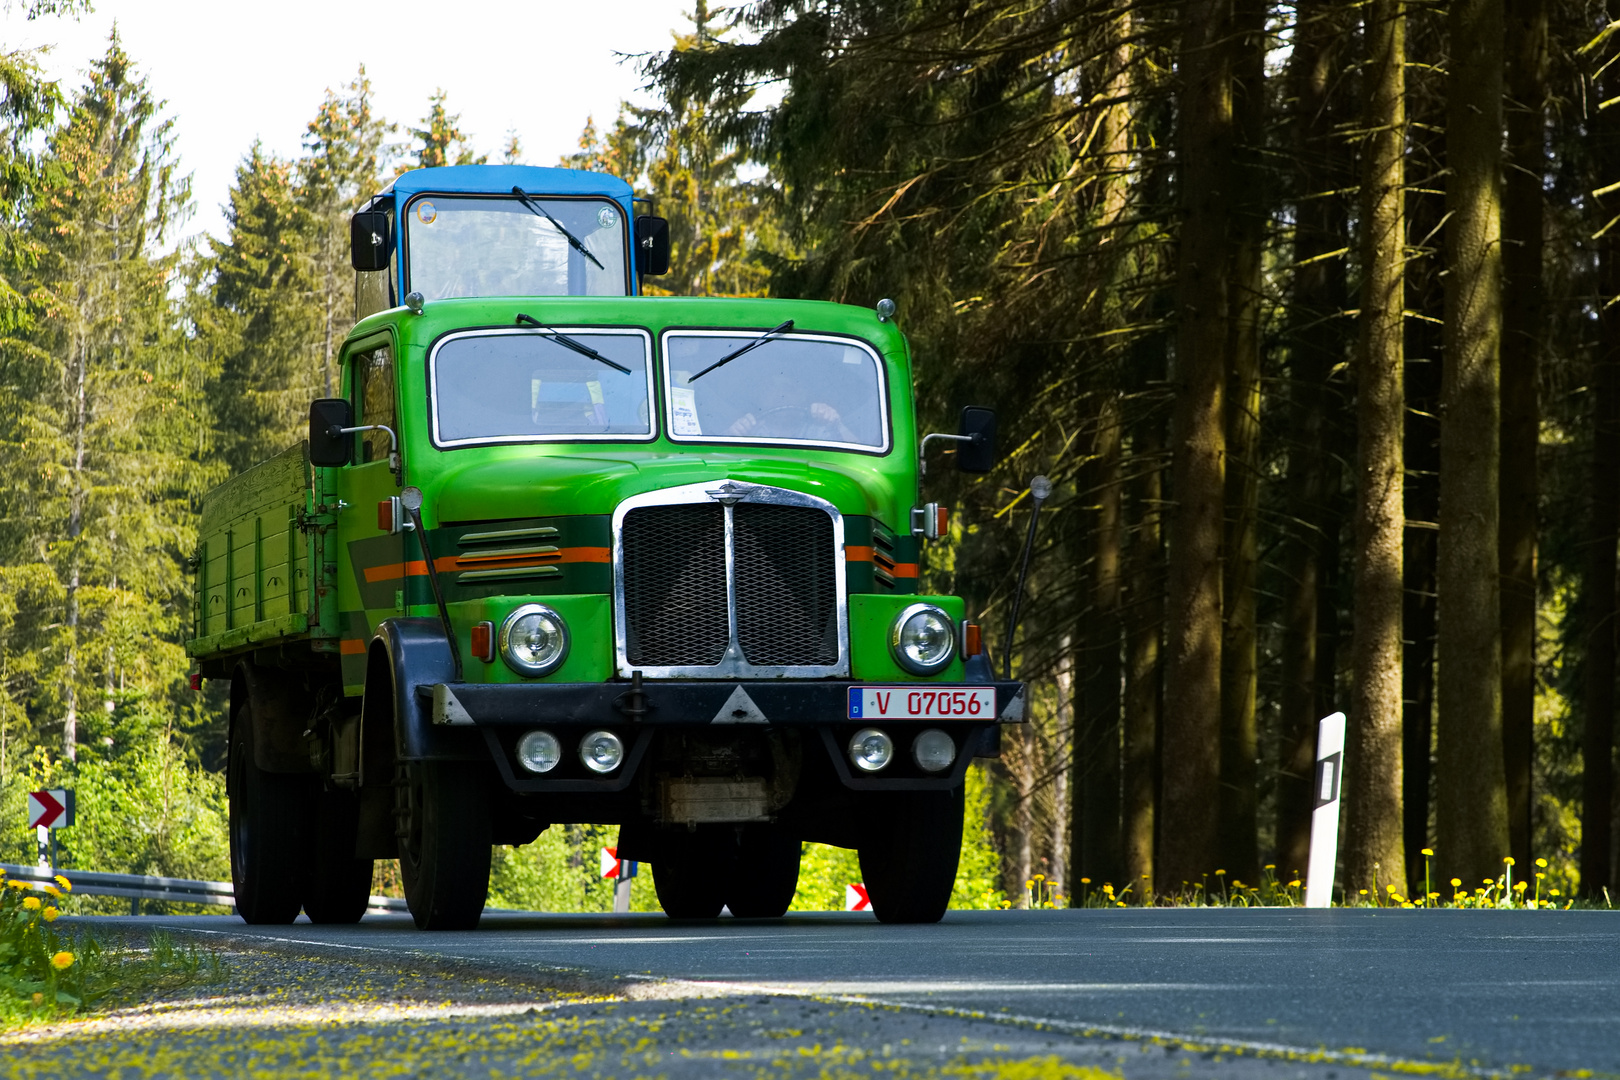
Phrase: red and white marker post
[855,898]
[620,870]
[48,811]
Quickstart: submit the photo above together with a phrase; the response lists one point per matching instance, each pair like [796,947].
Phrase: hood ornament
[730,493]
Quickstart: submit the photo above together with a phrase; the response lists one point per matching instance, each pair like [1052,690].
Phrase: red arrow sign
[855,898]
[53,809]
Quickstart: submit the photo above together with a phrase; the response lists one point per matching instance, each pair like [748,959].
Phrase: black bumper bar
[683,702]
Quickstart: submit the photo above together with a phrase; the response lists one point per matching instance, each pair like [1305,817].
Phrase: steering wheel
[798,432]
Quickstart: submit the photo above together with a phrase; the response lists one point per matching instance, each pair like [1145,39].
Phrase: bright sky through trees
[232,73]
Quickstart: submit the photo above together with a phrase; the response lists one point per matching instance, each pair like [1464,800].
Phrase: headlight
[933,751]
[871,749]
[601,751]
[534,640]
[539,751]
[923,639]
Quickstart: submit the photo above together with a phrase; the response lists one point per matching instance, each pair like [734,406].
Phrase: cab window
[374,400]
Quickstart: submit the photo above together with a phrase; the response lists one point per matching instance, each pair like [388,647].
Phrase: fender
[282,710]
[416,653]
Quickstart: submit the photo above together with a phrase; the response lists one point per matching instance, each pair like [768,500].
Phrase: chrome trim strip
[732,664]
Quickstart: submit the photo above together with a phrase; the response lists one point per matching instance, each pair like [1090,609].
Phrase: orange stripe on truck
[351,647]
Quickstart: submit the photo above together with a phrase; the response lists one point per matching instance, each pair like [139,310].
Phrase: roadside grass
[47,974]
[1502,892]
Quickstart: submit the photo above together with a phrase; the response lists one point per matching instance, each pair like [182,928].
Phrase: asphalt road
[1491,991]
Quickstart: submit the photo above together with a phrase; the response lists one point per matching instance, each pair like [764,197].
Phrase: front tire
[269,829]
[442,819]
[910,862]
[339,887]
[690,877]
[764,873]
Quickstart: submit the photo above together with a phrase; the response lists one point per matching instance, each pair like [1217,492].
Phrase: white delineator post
[1325,817]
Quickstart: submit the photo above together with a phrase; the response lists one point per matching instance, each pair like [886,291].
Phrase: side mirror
[368,240]
[978,453]
[328,445]
[652,246]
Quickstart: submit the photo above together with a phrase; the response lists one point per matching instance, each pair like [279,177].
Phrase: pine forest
[1309,311]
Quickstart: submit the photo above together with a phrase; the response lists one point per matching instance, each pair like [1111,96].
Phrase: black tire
[269,819]
[339,886]
[910,864]
[442,817]
[764,873]
[690,878]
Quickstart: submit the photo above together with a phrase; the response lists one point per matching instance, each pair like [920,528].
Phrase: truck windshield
[798,388]
[493,386]
[461,246]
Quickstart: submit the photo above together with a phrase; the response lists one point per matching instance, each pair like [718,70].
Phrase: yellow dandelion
[67,886]
[1554,892]
[52,890]
[1389,889]
[1456,882]
[1542,863]
[1085,881]
[1219,873]
[1040,877]
[1429,852]
[1294,884]
[50,914]
[62,961]
[31,903]
[1362,891]
[1271,866]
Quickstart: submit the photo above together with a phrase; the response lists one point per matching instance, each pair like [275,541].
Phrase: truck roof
[500,179]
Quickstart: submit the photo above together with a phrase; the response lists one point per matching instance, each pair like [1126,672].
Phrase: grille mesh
[787,601]
[675,585]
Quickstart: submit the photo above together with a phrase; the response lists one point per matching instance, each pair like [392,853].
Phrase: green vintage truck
[564,553]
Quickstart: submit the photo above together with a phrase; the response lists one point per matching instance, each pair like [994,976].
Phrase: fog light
[601,751]
[871,749]
[539,751]
[933,751]
[922,639]
[534,640]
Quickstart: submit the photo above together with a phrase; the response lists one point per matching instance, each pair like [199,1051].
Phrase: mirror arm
[393,445]
[922,448]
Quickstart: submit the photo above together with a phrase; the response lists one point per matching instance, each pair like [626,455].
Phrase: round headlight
[871,749]
[933,751]
[534,640]
[923,639]
[601,751]
[539,751]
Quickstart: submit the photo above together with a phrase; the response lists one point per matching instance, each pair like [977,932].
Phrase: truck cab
[562,553]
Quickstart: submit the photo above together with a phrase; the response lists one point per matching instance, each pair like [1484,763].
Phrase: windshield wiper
[569,343]
[573,241]
[769,335]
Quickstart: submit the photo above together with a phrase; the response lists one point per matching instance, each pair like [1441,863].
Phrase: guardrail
[138,887]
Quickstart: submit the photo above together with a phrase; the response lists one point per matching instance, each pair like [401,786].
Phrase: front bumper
[637,710]
[676,701]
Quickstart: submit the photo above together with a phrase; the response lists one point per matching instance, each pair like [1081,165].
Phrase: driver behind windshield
[810,391]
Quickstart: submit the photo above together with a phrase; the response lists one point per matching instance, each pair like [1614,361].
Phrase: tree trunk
[1521,413]
[1472,810]
[1317,347]
[1192,717]
[1144,623]
[1239,823]
[1063,746]
[1373,851]
[1598,599]
[1101,776]
[1425,289]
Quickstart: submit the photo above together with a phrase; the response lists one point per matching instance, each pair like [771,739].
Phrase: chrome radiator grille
[737,580]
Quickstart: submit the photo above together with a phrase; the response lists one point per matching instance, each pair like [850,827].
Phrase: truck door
[377,566]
